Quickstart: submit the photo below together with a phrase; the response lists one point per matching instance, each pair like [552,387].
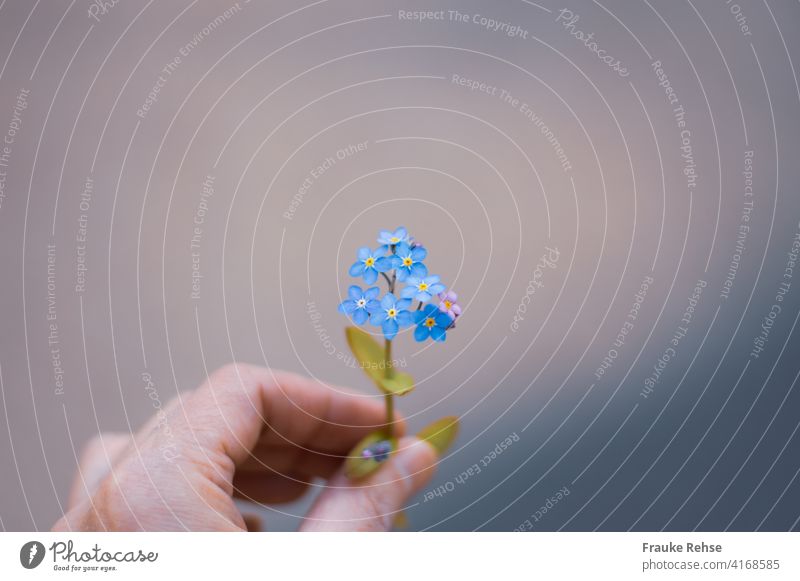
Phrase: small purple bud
[378,451]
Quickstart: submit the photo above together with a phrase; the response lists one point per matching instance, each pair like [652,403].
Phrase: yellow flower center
[429,322]
[407,261]
[423,286]
[369,261]
[394,239]
[391,313]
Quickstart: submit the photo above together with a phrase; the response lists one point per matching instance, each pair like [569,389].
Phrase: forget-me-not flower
[359,303]
[370,263]
[387,239]
[422,288]
[408,261]
[431,322]
[391,315]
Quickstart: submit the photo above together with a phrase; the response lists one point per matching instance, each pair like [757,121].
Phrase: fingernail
[414,456]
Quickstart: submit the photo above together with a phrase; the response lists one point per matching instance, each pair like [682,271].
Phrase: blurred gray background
[549,148]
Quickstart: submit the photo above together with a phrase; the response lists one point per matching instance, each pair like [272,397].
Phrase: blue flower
[386,238]
[431,322]
[359,304]
[370,263]
[422,289]
[408,261]
[391,315]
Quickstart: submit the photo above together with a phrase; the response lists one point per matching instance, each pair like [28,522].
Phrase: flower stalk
[389,398]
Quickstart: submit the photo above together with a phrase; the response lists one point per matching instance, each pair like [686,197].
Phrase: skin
[247,432]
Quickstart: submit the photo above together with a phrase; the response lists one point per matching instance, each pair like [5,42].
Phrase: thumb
[371,504]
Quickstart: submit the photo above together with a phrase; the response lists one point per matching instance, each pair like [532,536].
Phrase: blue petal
[402,304]
[384,236]
[377,318]
[413,281]
[421,333]
[390,329]
[419,270]
[370,275]
[436,288]
[360,317]
[405,318]
[424,296]
[419,253]
[438,334]
[401,233]
[403,249]
[357,269]
[372,306]
[430,310]
[402,273]
[443,320]
[388,301]
[432,279]
[385,263]
[372,293]
[419,316]
[354,292]
[408,292]
[347,307]
[363,253]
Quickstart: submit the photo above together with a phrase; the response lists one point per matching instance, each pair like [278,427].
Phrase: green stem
[389,398]
[389,415]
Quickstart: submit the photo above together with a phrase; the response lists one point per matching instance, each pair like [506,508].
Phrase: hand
[248,432]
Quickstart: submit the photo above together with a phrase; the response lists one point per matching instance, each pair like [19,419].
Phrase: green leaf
[367,351]
[401,384]
[440,434]
[372,358]
[356,466]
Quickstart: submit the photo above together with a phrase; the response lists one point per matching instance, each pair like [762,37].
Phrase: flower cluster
[399,259]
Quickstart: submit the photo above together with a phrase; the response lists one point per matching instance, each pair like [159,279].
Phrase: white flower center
[361,303]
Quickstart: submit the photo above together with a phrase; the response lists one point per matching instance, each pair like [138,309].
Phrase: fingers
[97,457]
[371,504]
[269,488]
[310,414]
[284,459]
[242,405]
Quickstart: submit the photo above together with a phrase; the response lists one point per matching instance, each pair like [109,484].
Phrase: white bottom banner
[391,556]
